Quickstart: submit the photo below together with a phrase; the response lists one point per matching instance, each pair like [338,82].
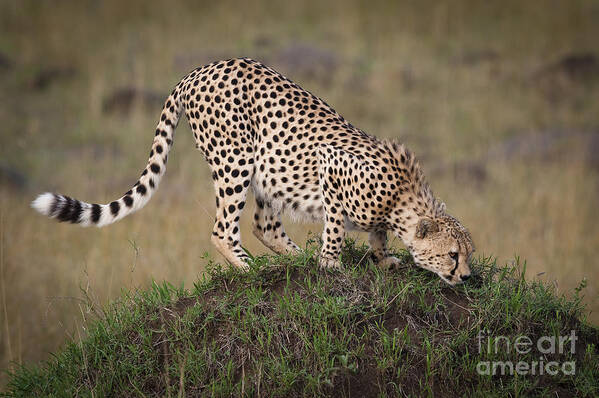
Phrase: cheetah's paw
[390,262]
[329,263]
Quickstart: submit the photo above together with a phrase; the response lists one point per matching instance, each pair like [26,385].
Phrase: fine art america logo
[502,346]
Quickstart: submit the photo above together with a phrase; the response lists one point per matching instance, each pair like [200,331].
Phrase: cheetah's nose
[465,277]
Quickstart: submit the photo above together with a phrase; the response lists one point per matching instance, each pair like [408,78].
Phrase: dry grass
[455,82]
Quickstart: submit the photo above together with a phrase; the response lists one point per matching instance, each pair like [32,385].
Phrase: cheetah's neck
[416,198]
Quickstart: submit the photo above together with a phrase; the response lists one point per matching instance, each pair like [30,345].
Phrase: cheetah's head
[442,245]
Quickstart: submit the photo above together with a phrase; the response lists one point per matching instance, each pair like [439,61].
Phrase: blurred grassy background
[498,99]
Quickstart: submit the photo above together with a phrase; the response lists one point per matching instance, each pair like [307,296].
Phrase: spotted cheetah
[257,129]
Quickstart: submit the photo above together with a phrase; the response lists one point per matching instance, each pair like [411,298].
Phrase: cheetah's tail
[64,208]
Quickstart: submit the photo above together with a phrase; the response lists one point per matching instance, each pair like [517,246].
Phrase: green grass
[288,328]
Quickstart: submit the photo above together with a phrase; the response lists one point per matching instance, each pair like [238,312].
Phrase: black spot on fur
[75,212]
[65,209]
[155,168]
[54,206]
[114,208]
[96,213]
[141,189]
[128,201]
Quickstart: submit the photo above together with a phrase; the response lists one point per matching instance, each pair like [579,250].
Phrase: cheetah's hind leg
[226,236]
[267,227]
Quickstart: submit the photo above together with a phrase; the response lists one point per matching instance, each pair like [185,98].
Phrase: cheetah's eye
[454,255]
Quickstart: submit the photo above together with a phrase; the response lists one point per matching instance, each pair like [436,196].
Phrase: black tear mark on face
[455,257]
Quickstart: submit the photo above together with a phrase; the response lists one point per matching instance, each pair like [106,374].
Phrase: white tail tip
[43,203]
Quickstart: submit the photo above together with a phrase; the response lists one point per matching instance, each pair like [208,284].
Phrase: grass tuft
[288,328]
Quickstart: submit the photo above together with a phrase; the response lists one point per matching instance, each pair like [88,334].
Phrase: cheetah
[257,129]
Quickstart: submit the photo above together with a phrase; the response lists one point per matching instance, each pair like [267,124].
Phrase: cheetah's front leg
[334,220]
[378,245]
[332,238]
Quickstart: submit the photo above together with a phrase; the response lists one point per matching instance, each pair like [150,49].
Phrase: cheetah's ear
[426,226]
[442,207]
